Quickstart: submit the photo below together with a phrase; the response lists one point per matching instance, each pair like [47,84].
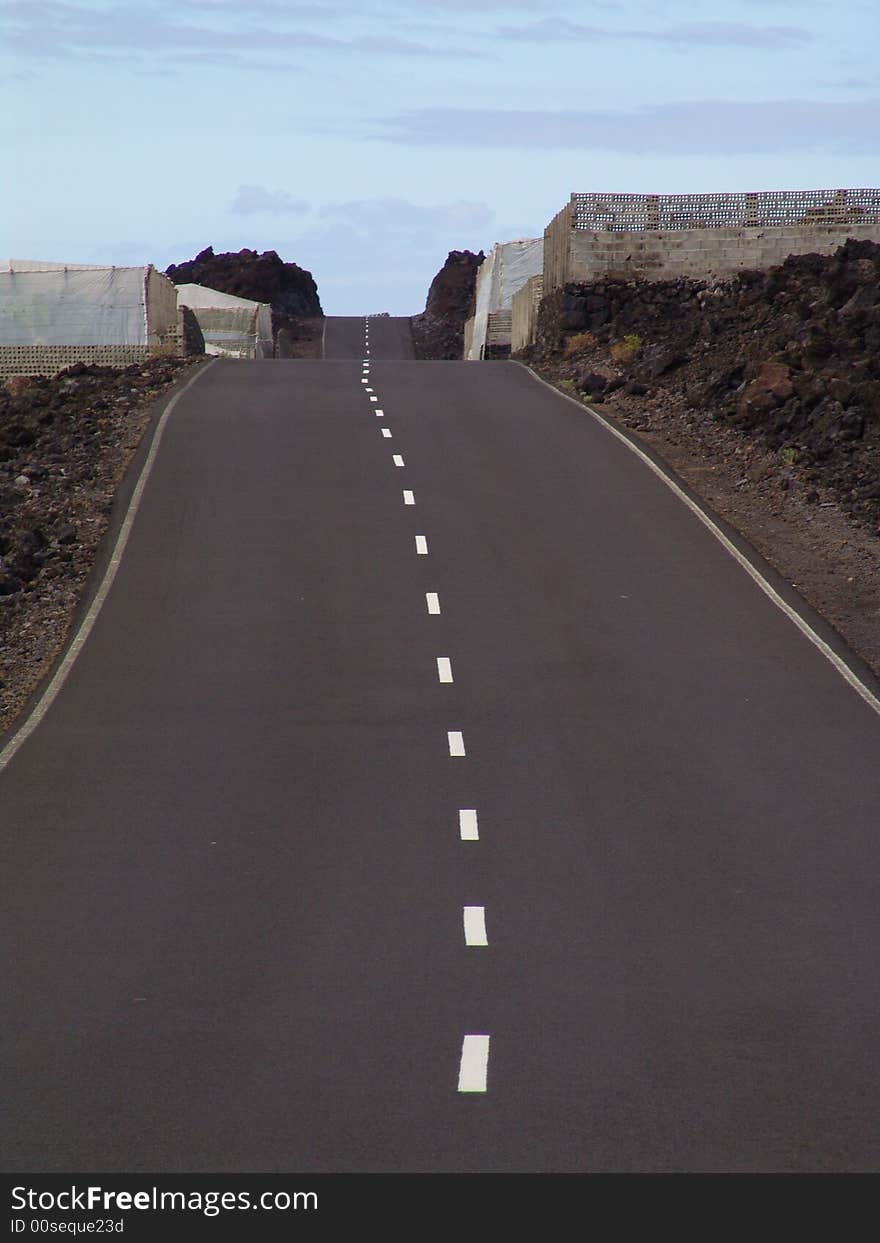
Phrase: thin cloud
[699,127]
[242,35]
[251,200]
[689,34]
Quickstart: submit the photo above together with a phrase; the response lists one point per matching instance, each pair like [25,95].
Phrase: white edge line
[61,674]
[848,674]
[474,1066]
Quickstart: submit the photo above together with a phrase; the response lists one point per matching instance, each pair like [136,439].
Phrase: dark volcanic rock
[439,331]
[289,289]
[64,443]
[787,357]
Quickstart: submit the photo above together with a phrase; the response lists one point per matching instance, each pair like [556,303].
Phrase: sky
[364,141]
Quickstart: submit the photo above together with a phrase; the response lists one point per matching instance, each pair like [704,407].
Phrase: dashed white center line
[456,742]
[474,1069]
[374,399]
[385,432]
[408,497]
[421,546]
[398,460]
[380,414]
[364,380]
[475,925]
[433,601]
[444,669]
[368,390]
[467,825]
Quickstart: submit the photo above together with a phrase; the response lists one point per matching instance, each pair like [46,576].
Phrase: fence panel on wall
[760,209]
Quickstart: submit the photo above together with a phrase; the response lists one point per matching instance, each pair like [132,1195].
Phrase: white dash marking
[456,742]
[467,825]
[421,546]
[475,925]
[398,460]
[474,1068]
[444,668]
[408,497]
[364,380]
[433,602]
[368,390]
[374,399]
[385,432]
[380,414]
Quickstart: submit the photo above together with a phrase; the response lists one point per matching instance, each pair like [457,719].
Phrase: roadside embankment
[65,443]
[763,393]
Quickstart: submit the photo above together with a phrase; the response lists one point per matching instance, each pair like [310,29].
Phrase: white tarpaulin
[58,304]
[232,326]
[503,273]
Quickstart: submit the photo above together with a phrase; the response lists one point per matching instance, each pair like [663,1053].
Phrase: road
[342,718]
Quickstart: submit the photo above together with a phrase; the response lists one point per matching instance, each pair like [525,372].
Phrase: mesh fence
[638,212]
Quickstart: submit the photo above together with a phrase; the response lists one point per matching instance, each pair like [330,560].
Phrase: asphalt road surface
[345,717]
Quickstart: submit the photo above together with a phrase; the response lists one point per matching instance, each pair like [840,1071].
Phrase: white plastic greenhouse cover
[503,273]
[201,295]
[71,304]
[250,328]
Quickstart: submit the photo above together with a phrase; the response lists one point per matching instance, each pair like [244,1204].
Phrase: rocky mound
[789,357]
[288,288]
[439,331]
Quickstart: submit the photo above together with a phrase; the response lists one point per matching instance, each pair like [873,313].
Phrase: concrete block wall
[699,253]
[499,330]
[160,295]
[557,248]
[49,359]
[660,237]
[525,313]
[468,336]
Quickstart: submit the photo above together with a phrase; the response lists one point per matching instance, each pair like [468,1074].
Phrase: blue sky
[364,141]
